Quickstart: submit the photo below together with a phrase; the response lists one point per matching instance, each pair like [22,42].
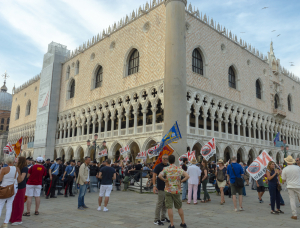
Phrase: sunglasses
[165,159]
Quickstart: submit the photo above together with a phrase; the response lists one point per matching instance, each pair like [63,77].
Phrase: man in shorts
[107,174]
[260,188]
[171,175]
[34,185]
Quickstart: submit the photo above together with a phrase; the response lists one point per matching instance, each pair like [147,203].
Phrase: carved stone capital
[183,1]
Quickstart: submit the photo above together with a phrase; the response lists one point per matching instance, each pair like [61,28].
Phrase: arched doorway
[227,154]
[63,156]
[134,150]
[239,155]
[92,154]
[71,155]
[197,148]
[116,151]
[81,155]
[55,155]
[251,157]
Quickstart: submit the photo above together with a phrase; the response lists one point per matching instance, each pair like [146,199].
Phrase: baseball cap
[39,159]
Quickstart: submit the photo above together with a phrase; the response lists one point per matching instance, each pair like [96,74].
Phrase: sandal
[36,213]
[26,214]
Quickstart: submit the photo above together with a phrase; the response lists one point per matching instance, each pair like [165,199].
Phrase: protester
[235,171]
[69,176]
[195,173]
[291,175]
[126,180]
[10,177]
[83,180]
[171,175]
[204,181]
[34,185]
[18,204]
[184,184]
[107,174]
[160,210]
[53,175]
[118,179]
[260,188]
[273,175]
[221,179]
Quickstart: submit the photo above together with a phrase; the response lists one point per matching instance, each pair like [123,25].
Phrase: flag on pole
[276,138]
[167,150]
[172,135]
[8,149]
[17,146]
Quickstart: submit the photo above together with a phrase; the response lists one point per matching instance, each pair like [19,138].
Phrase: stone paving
[131,209]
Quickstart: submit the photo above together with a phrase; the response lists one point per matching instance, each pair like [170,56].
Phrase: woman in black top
[272,175]
[204,181]
[18,204]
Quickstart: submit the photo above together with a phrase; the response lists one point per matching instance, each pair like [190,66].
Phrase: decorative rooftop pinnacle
[4,88]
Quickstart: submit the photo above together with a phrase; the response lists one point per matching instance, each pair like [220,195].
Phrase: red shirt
[36,174]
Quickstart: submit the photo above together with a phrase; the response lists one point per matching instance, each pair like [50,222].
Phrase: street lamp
[94,146]
[284,148]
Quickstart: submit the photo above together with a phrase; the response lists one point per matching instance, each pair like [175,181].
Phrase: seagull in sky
[273,30]
[265,8]
[278,35]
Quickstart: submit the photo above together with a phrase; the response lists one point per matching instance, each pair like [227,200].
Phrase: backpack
[220,175]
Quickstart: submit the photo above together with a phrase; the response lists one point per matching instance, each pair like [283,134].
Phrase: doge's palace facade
[126,85]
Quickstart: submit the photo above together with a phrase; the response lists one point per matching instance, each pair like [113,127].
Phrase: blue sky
[28,26]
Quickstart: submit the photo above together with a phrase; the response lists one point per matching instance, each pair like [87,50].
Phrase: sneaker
[165,220]
[105,209]
[183,225]
[16,223]
[261,201]
[99,209]
[81,208]
[159,223]
[171,226]
[241,209]
[235,209]
[85,207]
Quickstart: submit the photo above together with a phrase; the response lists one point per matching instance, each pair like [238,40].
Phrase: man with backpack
[234,177]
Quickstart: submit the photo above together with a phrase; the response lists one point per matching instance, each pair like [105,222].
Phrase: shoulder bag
[239,182]
[8,191]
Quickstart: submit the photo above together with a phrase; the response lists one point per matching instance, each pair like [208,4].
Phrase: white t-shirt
[194,172]
[291,174]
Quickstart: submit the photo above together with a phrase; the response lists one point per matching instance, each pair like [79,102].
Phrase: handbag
[239,182]
[8,191]
[279,188]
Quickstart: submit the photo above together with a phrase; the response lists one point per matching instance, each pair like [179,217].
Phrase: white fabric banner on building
[124,150]
[102,153]
[258,167]
[209,149]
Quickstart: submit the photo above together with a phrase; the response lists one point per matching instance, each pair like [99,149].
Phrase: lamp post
[284,148]
[94,146]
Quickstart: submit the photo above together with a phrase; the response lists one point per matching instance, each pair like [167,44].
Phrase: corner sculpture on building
[123,85]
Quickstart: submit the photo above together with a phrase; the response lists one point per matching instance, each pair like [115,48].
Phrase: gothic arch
[77,151]
[113,146]
[204,58]
[147,141]
[237,76]
[128,54]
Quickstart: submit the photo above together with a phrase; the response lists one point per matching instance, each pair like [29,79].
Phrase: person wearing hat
[221,178]
[69,176]
[34,185]
[291,175]
[195,173]
[53,172]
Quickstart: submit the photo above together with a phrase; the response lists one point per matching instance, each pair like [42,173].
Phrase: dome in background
[5,99]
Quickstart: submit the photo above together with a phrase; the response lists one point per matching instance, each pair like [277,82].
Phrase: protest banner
[151,150]
[258,167]
[102,153]
[189,155]
[141,155]
[209,149]
[124,150]
[167,150]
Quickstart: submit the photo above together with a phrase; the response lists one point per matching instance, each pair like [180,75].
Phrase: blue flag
[172,136]
[276,138]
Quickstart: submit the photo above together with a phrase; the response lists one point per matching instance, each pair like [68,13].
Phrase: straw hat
[289,160]
[194,161]
[221,161]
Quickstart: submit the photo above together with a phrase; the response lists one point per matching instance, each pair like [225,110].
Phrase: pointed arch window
[72,89]
[99,77]
[231,77]
[2,120]
[18,113]
[289,100]
[276,101]
[197,63]
[258,89]
[134,61]
[28,108]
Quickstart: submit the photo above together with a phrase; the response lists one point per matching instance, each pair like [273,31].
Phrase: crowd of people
[26,179]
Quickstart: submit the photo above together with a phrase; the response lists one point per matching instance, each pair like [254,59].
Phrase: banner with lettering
[209,149]
[124,150]
[141,155]
[167,150]
[258,167]
[151,150]
[102,153]
[189,155]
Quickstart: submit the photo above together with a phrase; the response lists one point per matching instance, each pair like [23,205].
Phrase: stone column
[82,128]
[254,133]
[205,123]
[127,121]
[144,120]
[119,124]
[153,118]
[212,125]
[226,128]
[105,125]
[94,127]
[239,130]
[112,124]
[60,134]
[249,131]
[232,129]
[88,128]
[73,132]
[220,127]
[99,127]
[175,71]
[188,121]
[197,123]
[78,130]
